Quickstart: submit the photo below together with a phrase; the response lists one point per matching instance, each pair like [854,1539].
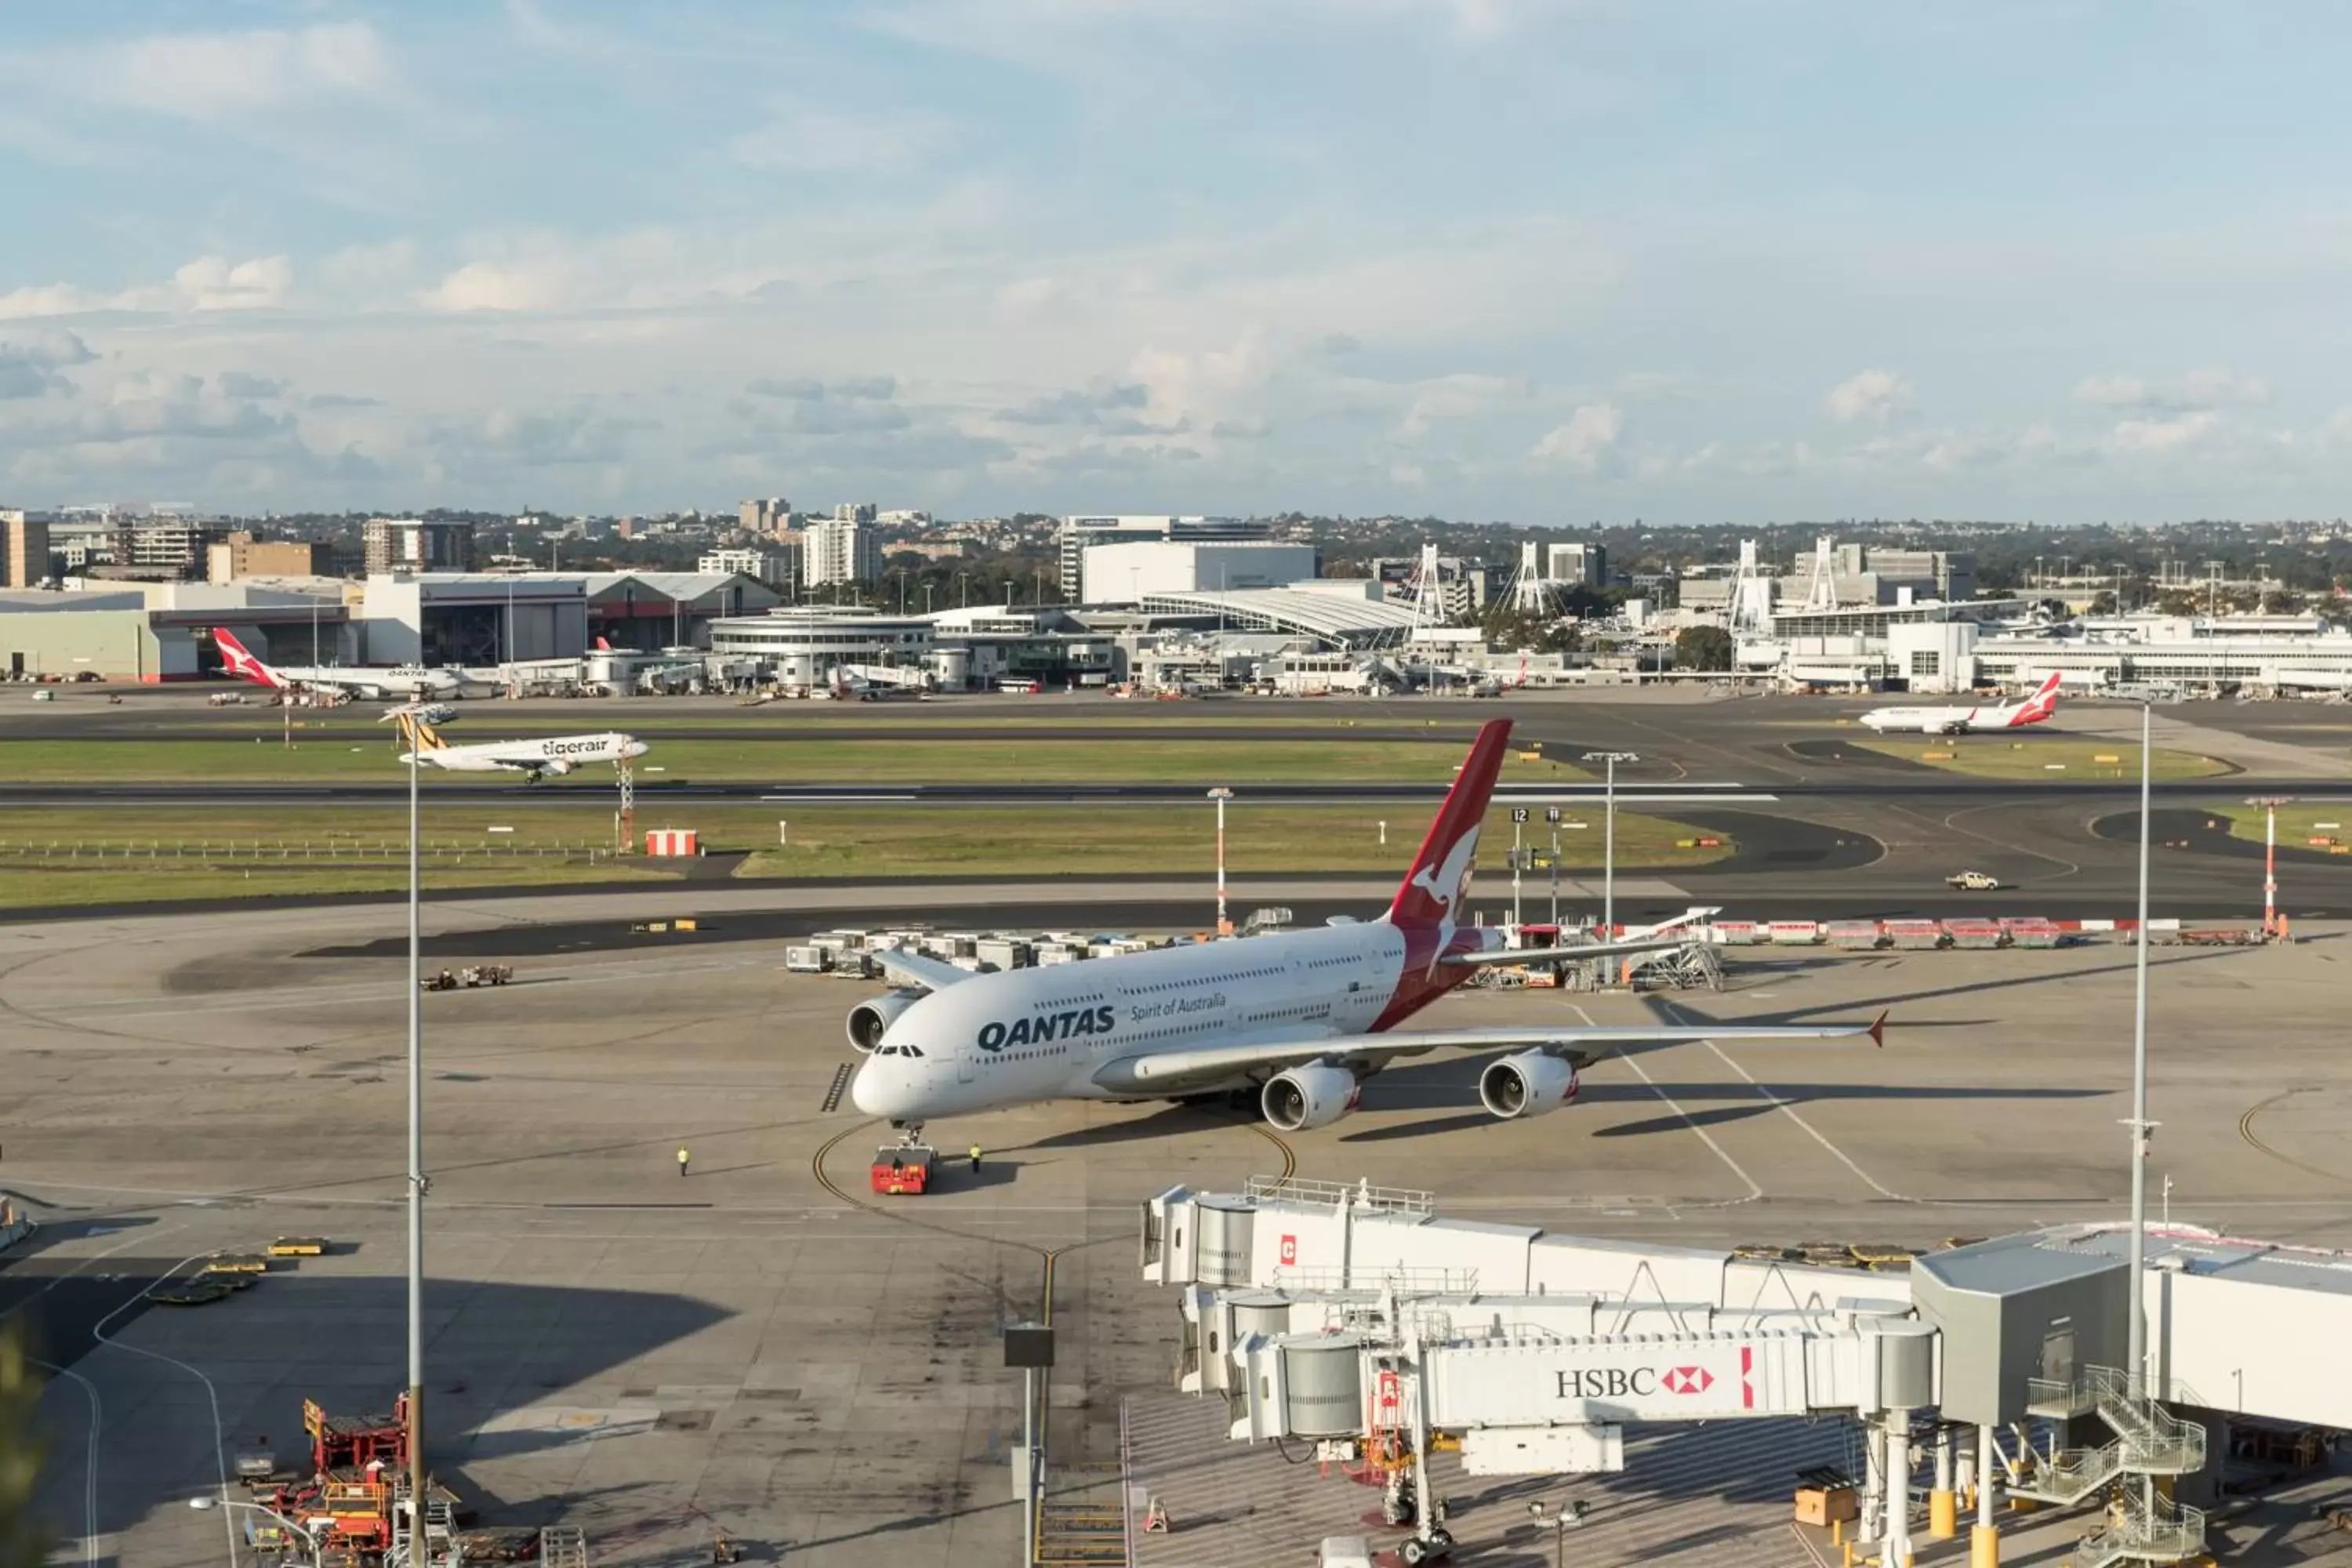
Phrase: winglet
[1878,1031]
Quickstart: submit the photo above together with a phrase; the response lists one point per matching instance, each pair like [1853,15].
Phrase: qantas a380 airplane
[1302,1017]
[1962,720]
[410,683]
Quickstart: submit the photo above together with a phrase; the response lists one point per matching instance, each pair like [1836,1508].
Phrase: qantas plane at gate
[359,680]
[1961,720]
[1302,1017]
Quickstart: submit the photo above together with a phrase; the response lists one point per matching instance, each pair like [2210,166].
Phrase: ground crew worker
[681,1159]
[975,1159]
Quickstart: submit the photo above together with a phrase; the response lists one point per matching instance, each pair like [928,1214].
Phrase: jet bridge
[1355,1317]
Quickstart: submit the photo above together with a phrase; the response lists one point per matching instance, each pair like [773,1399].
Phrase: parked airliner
[557,754]
[1961,720]
[1301,1017]
[358,680]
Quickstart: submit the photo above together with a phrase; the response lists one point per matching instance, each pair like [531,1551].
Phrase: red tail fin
[1433,890]
[239,662]
[2041,704]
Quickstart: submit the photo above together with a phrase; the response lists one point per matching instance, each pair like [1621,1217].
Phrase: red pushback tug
[903,1168]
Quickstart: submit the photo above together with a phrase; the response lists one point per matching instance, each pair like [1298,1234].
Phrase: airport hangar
[149,632]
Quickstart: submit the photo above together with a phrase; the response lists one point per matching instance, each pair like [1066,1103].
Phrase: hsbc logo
[1633,1382]
[1687,1380]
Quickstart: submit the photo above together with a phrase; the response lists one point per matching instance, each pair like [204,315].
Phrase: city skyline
[1545,263]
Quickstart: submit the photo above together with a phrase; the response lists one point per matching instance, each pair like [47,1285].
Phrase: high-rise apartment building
[162,547]
[412,545]
[771,516]
[23,550]
[772,566]
[835,550]
[242,556]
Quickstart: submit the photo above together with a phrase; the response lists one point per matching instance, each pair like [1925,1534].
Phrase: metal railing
[289,850]
[2166,1532]
[2155,1442]
[2063,1476]
[1360,1195]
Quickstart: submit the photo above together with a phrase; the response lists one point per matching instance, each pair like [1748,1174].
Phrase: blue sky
[1545,260]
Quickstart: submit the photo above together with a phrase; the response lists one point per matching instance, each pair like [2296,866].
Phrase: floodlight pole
[2136,1327]
[416,1434]
[1609,840]
[1222,795]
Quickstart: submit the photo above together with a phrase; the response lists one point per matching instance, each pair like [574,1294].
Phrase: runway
[1339,792]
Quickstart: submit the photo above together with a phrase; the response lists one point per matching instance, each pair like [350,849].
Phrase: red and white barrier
[673,841]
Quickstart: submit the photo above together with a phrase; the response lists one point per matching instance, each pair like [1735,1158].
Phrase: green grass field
[63,885]
[263,759]
[866,842]
[2048,758]
[2299,822]
[63,856]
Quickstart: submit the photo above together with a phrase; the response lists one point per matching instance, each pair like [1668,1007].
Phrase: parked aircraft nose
[880,1088]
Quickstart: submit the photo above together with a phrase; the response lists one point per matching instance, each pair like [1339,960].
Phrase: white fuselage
[365,681]
[553,754]
[1936,720]
[1061,1032]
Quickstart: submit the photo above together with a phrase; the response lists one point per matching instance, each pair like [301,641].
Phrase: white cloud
[213,283]
[2164,435]
[1458,396]
[492,285]
[2200,389]
[207,283]
[214,77]
[1872,396]
[814,140]
[1587,443]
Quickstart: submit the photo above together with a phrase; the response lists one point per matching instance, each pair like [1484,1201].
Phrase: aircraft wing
[914,969]
[1568,954]
[1170,1071]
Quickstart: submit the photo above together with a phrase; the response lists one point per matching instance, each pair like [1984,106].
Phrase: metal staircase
[563,1546]
[2151,1441]
[2159,1531]
[442,1548]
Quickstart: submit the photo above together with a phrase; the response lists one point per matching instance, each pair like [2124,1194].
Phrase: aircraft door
[967,1063]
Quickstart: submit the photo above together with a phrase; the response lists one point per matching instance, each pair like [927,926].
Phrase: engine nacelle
[559,766]
[868,1021]
[1529,1084]
[1309,1097]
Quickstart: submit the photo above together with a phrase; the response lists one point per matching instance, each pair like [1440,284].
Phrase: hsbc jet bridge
[1354,1318]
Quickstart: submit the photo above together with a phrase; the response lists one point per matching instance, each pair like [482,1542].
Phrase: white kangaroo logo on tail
[1447,882]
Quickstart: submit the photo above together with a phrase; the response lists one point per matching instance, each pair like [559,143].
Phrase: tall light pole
[2136,1327]
[1551,817]
[309,1543]
[1608,839]
[1222,795]
[415,1172]
[2270,804]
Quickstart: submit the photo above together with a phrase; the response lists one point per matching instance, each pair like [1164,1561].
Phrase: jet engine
[1309,1097]
[1527,1084]
[559,766]
[869,1020]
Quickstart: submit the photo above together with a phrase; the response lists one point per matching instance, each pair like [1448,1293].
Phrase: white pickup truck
[1973,882]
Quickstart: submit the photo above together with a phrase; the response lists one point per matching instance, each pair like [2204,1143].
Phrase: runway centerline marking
[1790,1110]
[1754,1192]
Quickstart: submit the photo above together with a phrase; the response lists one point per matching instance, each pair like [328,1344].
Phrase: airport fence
[324,851]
